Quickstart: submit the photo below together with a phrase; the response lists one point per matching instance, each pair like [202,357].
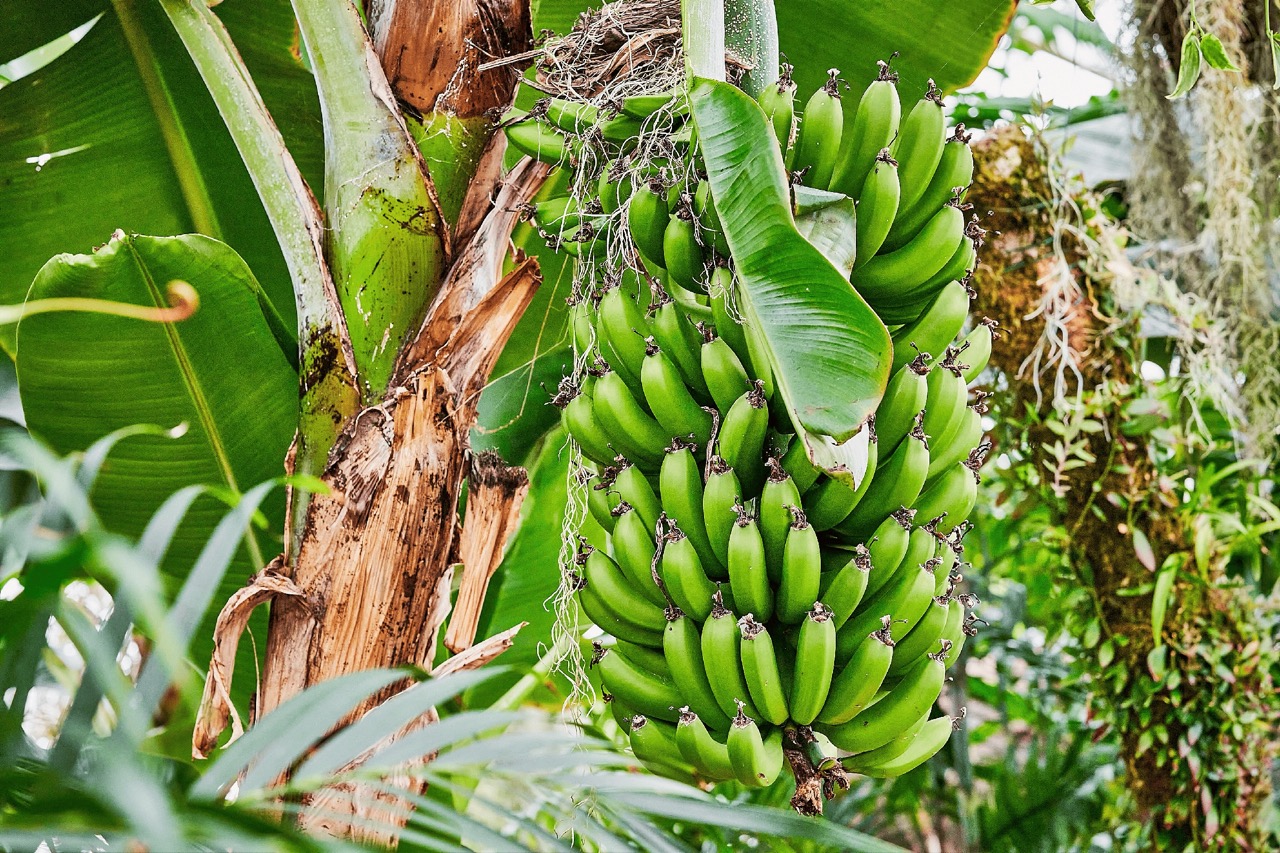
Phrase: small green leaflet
[1214,53]
[1189,68]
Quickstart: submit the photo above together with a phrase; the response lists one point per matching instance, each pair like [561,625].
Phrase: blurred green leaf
[89,143]
[1189,67]
[221,372]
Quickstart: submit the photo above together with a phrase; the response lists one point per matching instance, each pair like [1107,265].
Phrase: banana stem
[702,25]
[751,32]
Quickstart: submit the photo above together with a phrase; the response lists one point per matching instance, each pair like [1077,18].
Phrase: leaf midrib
[195,392]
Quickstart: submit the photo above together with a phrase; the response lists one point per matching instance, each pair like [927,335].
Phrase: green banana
[704,208]
[726,320]
[613,186]
[818,142]
[923,638]
[925,744]
[760,671]
[600,503]
[722,370]
[569,116]
[778,100]
[877,206]
[722,645]
[628,426]
[897,483]
[815,663]
[952,177]
[682,647]
[796,463]
[683,576]
[644,657]
[976,347]
[648,693]
[899,277]
[699,747]
[904,398]
[801,571]
[685,258]
[633,487]
[933,330]
[888,546]
[584,330]
[874,128]
[831,501]
[756,760]
[681,343]
[893,748]
[633,549]
[538,140]
[957,444]
[748,577]
[947,396]
[601,613]
[951,497]
[647,217]
[643,106]
[905,600]
[654,744]
[843,586]
[607,582]
[621,713]
[859,680]
[669,399]
[619,129]
[958,629]
[720,495]
[741,439]
[680,484]
[621,335]
[778,498]
[880,723]
[919,146]
[957,268]
[578,417]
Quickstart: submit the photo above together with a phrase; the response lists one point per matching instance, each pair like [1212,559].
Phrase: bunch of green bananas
[908,176]
[746,591]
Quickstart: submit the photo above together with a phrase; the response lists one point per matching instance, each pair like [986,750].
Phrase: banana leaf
[829,351]
[223,372]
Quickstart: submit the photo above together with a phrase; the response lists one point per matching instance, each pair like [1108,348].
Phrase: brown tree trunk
[367,583]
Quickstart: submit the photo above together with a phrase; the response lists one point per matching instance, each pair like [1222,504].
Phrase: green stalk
[751,32]
[702,25]
[191,182]
[328,396]
[385,239]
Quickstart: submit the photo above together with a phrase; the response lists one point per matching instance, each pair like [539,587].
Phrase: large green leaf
[222,372]
[90,143]
[831,354]
[949,42]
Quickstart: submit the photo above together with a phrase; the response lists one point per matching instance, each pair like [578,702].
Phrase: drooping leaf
[830,381]
[89,143]
[1189,67]
[221,372]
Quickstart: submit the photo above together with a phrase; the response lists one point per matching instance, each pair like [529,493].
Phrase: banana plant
[346,182]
